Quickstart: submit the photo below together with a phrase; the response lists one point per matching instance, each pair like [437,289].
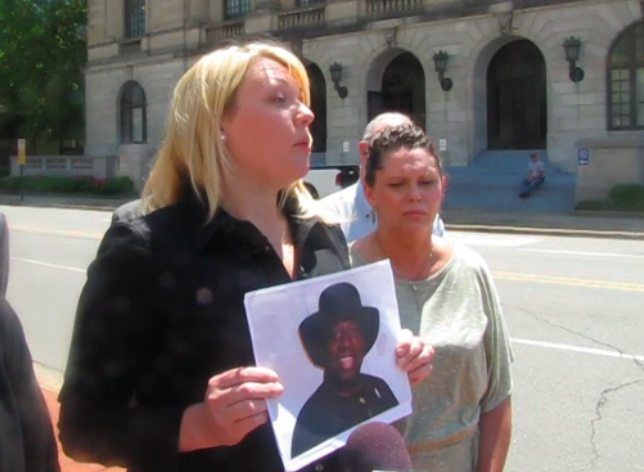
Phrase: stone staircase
[492,180]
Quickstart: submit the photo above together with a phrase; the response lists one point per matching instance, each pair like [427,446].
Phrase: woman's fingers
[418,375]
[236,401]
[412,352]
[228,397]
[414,356]
[241,375]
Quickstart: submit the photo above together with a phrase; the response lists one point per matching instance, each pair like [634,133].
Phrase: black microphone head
[376,446]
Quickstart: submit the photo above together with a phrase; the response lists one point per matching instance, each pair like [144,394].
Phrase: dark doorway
[318,107]
[516,98]
[402,89]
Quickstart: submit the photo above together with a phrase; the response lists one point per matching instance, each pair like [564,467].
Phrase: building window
[308,3]
[626,80]
[235,8]
[133,113]
[134,18]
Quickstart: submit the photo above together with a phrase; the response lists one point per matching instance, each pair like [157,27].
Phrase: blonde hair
[193,149]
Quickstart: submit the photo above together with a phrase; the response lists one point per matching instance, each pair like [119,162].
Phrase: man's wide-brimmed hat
[337,303]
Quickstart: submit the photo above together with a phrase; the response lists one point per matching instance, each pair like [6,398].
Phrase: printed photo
[332,342]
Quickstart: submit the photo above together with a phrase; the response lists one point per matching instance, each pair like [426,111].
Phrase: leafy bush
[627,197]
[80,184]
[117,186]
[593,205]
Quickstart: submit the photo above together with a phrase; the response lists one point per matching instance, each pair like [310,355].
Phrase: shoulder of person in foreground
[332,235]
[30,446]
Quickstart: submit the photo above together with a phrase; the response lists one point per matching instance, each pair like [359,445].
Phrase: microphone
[376,446]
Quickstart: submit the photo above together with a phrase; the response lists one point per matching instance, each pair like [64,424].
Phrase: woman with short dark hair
[462,417]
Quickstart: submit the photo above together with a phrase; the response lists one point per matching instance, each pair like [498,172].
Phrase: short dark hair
[392,139]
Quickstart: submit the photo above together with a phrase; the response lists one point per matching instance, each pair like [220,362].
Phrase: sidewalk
[50,381]
[581,224]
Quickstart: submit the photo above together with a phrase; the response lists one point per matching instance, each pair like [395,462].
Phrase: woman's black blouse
[161,312]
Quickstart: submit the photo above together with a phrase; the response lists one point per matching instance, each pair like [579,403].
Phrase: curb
[571,232]
[71,206]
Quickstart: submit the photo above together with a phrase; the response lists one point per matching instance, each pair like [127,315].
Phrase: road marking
[47,264]
[582,253]
[55,231]
[584,350]
[496,241]
[557,280]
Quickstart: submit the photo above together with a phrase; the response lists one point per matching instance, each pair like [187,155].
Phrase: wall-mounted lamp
[440,61]
[336,77]
[572,46]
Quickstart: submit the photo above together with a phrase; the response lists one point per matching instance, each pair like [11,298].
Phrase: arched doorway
[401,88]
[516,97]
[318,107]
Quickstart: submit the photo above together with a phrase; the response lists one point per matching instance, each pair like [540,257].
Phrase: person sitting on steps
[535,176]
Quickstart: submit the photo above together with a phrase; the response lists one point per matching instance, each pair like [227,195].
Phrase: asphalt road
[574,309]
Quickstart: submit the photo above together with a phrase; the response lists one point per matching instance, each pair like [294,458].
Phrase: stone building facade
[512,86]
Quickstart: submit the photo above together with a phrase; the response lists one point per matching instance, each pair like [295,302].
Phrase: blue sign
[583,157]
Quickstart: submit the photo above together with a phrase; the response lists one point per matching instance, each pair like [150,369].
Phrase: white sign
[319,334]
[442,144]
[345,146]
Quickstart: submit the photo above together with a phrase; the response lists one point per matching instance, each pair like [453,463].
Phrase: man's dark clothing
[162,312]
[326,414]
[27,441]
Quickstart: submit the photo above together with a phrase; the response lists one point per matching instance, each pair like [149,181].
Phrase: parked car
[323,181]
[326,178]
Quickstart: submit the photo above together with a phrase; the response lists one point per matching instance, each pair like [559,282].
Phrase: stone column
[134,161]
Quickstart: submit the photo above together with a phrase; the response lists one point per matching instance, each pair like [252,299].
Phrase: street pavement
[572,305]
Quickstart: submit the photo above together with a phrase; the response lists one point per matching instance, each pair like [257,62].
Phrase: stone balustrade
[392,8]
[130,46]
[223,31]
[304,18]
[96,166]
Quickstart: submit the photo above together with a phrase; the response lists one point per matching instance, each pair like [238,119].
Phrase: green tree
[42,53]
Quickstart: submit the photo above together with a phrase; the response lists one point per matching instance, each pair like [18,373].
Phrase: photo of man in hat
[336,339]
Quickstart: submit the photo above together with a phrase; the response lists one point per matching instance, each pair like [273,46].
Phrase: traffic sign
[22,153]
[583,157]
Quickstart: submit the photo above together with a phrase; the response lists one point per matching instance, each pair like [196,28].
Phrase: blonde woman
[161,373]
[462,416]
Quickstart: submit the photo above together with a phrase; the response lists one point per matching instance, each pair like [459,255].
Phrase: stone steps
[492,182]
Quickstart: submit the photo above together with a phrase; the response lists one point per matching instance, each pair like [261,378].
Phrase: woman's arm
[495,428]
[113,344]
[495,423]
